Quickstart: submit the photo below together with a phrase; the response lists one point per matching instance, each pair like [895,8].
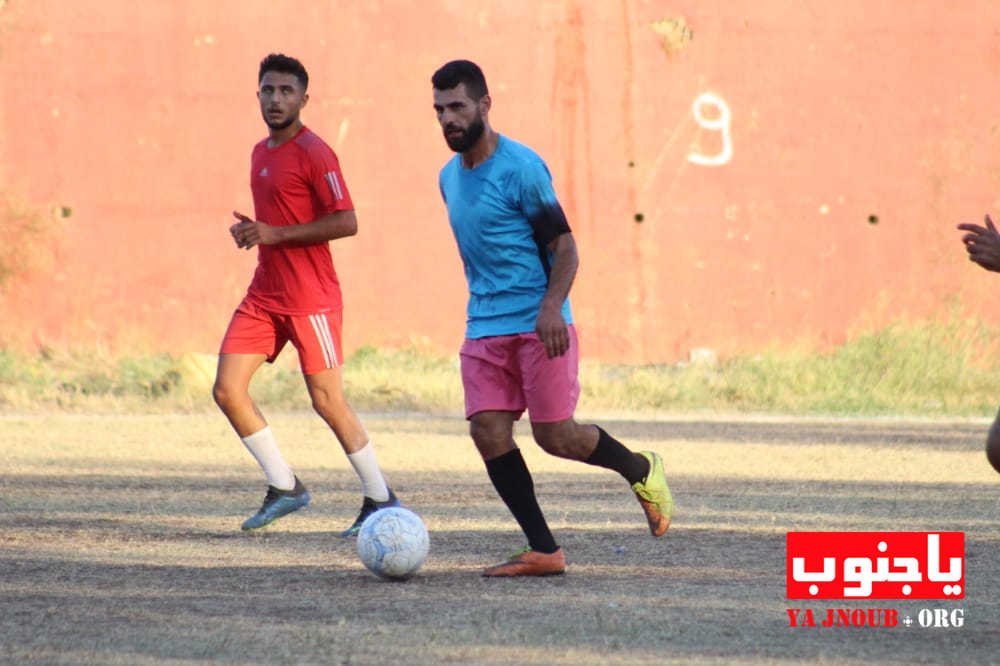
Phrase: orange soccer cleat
[529,563]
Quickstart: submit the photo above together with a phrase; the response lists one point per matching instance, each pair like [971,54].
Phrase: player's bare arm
[248,232]
[550,325]
[983,244]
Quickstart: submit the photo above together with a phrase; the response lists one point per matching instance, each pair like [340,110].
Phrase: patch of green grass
[411,379]
[922,369]
[917,369]
[85,380]
[374,380]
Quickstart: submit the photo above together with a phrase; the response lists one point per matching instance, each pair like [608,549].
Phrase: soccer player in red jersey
[301,203]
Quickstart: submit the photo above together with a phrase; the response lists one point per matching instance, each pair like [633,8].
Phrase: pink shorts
[511,373]
[254,330]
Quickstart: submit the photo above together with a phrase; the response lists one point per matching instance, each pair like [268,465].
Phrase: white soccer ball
[393,543]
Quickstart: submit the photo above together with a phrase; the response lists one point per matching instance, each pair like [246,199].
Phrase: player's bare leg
[566,439]
[594,446]
[285,493]
[326,389]
[232,391]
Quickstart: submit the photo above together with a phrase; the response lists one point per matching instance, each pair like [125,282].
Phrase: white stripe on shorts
[322,331]
[325,325]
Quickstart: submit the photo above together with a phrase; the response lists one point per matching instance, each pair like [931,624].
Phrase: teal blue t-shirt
[504,213]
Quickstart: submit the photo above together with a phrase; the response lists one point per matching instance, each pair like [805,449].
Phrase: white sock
[372,482]
[264,447]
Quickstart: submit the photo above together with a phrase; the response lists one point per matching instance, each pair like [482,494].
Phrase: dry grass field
[120,544]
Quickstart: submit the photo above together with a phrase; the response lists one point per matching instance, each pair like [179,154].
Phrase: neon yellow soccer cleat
[654,495]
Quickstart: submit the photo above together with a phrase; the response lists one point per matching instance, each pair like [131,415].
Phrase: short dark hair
[461,71]
[279,62]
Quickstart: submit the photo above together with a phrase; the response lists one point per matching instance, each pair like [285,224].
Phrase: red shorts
[511,373]
[254,330]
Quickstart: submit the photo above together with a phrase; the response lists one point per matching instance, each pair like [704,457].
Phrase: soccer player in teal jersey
[520,350]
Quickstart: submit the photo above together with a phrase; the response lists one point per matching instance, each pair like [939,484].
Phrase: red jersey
[296,183]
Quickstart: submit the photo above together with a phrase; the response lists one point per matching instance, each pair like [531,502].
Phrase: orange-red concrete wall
[140,117]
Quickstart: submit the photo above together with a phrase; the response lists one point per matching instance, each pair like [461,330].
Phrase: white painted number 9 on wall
[718,123]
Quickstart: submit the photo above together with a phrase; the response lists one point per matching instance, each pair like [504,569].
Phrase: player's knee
[327,403]
[228,397]
[560,439]
[222,395]
[481,434]
[554,442]
[491,439]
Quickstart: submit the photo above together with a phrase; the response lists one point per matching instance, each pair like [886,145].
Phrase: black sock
[511,478]
[612,454]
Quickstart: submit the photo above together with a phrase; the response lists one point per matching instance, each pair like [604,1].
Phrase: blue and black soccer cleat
[368,507]
[278,503]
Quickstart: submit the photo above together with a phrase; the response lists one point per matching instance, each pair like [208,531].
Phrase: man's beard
[287,122]
[468,138]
